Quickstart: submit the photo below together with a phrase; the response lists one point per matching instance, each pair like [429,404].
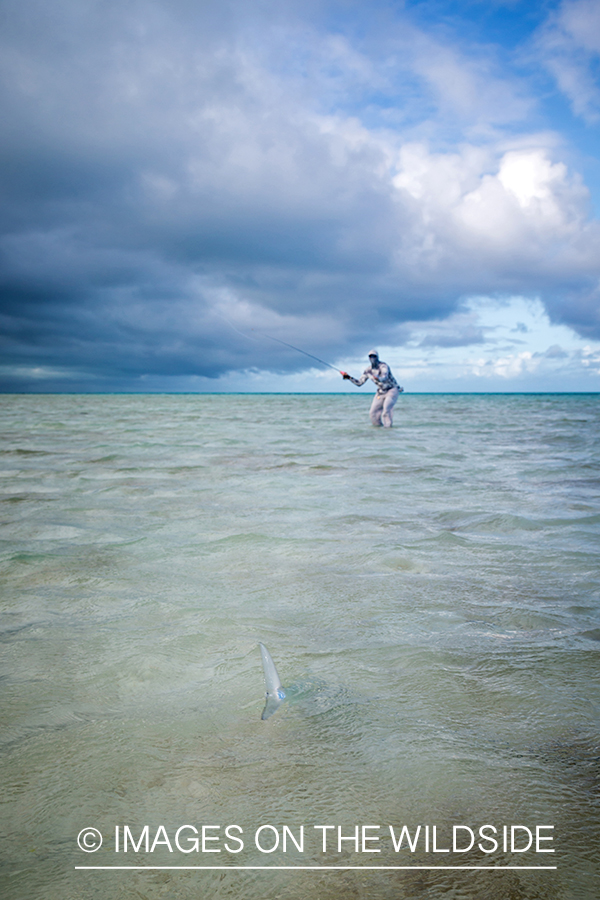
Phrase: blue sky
[180,179]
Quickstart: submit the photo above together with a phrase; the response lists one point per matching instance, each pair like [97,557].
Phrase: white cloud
[569,46]
[470,87]
[500,219]
[507,367]
[531,177]
[590,358]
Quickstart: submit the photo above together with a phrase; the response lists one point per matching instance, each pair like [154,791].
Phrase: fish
[275,693]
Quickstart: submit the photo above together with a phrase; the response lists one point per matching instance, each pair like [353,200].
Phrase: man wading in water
[381,411]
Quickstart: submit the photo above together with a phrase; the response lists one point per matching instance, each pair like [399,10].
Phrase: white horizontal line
[317,868]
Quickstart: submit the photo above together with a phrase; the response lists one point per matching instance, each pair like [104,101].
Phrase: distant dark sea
[430,595]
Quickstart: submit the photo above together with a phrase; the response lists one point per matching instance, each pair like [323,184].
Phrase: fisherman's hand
[345,375]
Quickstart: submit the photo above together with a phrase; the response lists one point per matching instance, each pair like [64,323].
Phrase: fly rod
[312,356]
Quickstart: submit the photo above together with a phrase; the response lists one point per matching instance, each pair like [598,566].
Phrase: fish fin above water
[275,692]
[273,703]
[272,679]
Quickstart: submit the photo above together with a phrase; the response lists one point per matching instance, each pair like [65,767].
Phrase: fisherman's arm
[357,381]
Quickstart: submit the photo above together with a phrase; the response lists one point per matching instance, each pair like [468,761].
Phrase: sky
[185,180]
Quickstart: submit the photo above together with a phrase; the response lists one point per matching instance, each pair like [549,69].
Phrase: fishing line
[291,346]
[285,343]
[232,326]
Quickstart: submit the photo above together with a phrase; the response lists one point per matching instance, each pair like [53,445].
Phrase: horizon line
[166,393]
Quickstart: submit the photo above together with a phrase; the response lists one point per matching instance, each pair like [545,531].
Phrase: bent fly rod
[312,356]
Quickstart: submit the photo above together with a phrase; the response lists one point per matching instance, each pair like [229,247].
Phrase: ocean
[430,595]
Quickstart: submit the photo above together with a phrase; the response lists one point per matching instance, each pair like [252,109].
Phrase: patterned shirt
[381,374]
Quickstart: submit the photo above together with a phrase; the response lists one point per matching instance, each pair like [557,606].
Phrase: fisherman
[381,411]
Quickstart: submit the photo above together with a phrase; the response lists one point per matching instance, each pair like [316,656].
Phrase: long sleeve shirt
[381,374]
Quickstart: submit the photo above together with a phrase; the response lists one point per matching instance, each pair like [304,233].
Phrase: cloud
[462,338]
[556,352]
[180,177]
[569,46]
[488,224]
[553,357]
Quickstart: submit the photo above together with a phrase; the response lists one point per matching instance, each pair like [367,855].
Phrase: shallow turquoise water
[429,593]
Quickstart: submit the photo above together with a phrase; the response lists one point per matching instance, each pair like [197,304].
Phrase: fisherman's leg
[375,411]
[388,407]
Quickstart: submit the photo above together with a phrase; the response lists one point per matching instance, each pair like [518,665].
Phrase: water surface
[430,594]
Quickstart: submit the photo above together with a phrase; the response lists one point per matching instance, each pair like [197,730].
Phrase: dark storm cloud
[177,175]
